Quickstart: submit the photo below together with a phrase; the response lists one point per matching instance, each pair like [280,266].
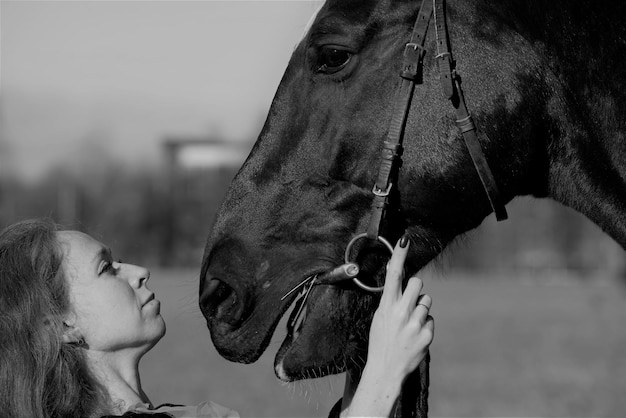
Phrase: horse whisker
[303,304]
[302,283]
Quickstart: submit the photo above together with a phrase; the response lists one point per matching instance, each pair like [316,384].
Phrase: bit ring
[373,289]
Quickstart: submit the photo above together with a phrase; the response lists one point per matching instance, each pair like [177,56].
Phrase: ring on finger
[425,300]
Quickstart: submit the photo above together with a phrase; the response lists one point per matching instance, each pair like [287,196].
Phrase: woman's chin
[161,331]
[155,336]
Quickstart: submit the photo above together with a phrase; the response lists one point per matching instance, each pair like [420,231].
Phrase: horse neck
[588,173]
[584,81]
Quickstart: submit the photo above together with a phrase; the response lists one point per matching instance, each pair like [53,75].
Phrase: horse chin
[320,336]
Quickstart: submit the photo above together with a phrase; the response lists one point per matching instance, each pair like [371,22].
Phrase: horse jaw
[330,330]
[245,287]
[324,338]
[257,291]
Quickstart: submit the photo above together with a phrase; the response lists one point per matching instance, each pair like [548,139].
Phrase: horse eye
[332,59]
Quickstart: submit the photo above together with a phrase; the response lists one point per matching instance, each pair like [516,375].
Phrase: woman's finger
[426,301]
[393,278]
[429,325]
[423,308]
[412,292]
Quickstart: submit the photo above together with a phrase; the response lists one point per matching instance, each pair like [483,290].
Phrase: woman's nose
[137,275]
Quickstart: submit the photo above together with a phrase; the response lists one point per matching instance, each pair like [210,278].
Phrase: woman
[75,324]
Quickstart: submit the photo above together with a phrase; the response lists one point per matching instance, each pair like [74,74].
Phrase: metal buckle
[411,64]
[382,193]
[414,46]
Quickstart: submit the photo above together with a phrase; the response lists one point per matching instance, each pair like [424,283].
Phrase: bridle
[411,74]
[413,402]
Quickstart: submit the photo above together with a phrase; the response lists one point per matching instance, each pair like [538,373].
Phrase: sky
[114,79]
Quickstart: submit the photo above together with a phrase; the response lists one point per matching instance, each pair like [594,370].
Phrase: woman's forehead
[78,244]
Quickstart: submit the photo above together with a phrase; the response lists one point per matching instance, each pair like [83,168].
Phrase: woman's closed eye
[105,267]
[108,266]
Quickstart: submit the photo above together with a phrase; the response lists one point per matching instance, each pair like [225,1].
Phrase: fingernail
[404,240]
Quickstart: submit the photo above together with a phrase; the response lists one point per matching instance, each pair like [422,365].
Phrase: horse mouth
[302,308]
[299,313]
[320,332]
[322,324]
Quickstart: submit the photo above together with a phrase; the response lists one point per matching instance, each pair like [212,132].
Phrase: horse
[545,85]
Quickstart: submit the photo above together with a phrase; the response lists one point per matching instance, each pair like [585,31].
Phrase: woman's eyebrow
[105,252]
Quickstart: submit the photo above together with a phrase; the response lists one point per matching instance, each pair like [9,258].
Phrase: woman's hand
[400,335]
[401,330]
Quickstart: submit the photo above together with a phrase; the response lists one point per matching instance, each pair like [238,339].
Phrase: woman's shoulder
[205,409]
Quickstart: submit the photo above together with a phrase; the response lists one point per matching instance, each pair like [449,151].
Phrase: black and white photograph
[312,208]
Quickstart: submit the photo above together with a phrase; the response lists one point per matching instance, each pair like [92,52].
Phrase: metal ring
[347,260]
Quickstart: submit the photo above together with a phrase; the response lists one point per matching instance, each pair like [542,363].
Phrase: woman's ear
[71,333]
[73,337]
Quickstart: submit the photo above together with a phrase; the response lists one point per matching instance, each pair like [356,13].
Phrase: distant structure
[199,171]
[199,153]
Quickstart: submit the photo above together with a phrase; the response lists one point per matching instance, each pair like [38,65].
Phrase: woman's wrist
[385,380]
[376,393]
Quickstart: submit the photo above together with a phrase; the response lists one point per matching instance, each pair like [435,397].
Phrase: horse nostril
[219,301]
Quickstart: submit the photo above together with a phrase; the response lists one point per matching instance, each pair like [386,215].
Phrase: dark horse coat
[545,82]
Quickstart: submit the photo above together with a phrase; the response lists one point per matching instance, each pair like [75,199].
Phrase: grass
[504,347]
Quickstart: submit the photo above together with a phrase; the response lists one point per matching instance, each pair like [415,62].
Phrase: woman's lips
[150,300]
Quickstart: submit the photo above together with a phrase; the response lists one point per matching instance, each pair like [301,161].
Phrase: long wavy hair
[41,376]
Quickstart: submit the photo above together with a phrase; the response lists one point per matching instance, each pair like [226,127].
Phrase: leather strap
[451,84]
[411,74]
[444,56]
[415,403]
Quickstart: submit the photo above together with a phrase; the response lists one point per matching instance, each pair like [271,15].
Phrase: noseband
[411,74]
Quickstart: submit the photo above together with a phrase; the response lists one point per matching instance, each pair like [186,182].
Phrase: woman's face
[113,309]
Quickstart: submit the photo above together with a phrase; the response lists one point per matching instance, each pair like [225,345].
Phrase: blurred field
[503,347]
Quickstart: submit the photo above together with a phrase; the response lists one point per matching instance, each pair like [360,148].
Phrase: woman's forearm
[375,396]
[400,334]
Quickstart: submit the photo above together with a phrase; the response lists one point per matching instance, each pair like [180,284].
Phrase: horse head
[306,188]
